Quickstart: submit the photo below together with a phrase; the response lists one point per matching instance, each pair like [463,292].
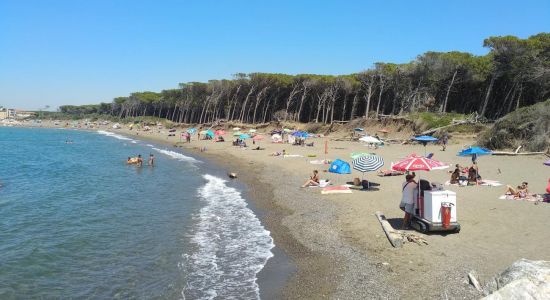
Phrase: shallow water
[76,221]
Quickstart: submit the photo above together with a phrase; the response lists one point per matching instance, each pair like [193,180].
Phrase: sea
[77,222]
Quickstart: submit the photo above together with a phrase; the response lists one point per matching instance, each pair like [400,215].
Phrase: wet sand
[337,243]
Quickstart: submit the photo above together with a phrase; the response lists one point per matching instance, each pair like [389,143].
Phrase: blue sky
[81,52]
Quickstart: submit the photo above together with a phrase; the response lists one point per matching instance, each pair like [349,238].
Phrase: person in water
[313,180]
[139,160]
[151,160]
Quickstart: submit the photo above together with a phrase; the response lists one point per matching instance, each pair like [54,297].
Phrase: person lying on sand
[258,148]
[313,180]
[520,192]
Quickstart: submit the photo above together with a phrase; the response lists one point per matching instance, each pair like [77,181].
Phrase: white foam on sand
[116,136]
[175,155]
[229,246]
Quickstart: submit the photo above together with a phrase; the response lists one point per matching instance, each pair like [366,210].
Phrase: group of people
[471,176]
[138,161]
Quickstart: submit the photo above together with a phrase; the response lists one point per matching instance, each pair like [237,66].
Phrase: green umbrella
[237,133]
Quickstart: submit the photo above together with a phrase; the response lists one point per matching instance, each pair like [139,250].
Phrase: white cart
[436,211]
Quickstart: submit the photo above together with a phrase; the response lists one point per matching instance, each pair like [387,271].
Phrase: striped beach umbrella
[368,163]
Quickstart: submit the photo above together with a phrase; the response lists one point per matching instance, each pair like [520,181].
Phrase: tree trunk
[444,109]
[354,105]
[487,95]
[243,110]
[368,95]
[302,99]
[379,98]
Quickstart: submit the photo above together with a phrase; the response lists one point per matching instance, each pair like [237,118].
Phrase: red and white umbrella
[219,132]
[417,163]
[258,137]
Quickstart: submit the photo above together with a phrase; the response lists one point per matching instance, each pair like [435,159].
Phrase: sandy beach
[337,243]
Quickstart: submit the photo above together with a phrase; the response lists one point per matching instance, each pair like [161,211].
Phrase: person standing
[151,161]
[407,199]
[444,142]
[139,161]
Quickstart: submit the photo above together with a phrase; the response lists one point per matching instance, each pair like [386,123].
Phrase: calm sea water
[77,222]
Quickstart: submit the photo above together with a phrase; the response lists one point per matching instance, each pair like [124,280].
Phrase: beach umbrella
[219,132]
[244,136]
[236,129]
[237,133]
[286,130]
[301,134]
[252,130]
[258,138]
[358,129]
[424,140]
[367,163]
[417,163]
[355,155]
[475,152]
[370,140]
[339,166]
[191,130]
[547,163]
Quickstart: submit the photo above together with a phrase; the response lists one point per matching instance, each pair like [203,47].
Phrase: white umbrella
[370,139]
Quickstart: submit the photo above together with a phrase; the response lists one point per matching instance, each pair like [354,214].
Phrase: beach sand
[337,243]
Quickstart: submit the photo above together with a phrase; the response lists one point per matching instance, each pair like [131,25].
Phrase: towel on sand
[529,198]
[339,189]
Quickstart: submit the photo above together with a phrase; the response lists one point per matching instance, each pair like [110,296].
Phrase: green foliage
[427,120]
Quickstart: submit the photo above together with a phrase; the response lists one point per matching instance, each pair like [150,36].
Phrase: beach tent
[339,167]
[209,133]
[276,138]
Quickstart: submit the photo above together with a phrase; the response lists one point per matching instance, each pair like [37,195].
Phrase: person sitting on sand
[313,180]
[455,176]
[520,192]
[407,199]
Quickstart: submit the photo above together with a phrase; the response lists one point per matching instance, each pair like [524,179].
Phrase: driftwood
[396,239]
[455,123]
[473,281]
[515,153]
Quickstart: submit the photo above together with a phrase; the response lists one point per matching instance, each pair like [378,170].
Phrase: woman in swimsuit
[313,180]
[520,192]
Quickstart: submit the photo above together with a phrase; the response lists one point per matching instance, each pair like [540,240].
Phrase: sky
[57,52]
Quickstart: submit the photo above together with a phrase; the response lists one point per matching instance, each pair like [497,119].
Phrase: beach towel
[322,184]
[487,182]
[529,198]
[292,155]
[339,189]
[318,162]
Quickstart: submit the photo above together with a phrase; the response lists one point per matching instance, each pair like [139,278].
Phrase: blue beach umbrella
[474,152]
[244,136]
[339,167]
[358,129]
[425,139]
[301,134]
[191,130]
[210,133]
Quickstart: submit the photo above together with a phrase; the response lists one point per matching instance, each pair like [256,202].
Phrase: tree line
[515,73]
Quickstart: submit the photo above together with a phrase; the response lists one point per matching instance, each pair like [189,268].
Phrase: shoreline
[336,242]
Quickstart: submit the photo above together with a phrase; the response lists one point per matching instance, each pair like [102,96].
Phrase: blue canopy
[340,167]
[301,134]
[425,138]
[477,151]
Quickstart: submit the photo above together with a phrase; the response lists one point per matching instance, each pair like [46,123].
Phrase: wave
[230,246]
[175,155]
[116,136]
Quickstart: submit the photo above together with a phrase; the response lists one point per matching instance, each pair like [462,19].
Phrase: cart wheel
[457,229]
[421,226]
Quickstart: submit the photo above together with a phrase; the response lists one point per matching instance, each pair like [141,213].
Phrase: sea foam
[116,136]
[175,155]
[230,246]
